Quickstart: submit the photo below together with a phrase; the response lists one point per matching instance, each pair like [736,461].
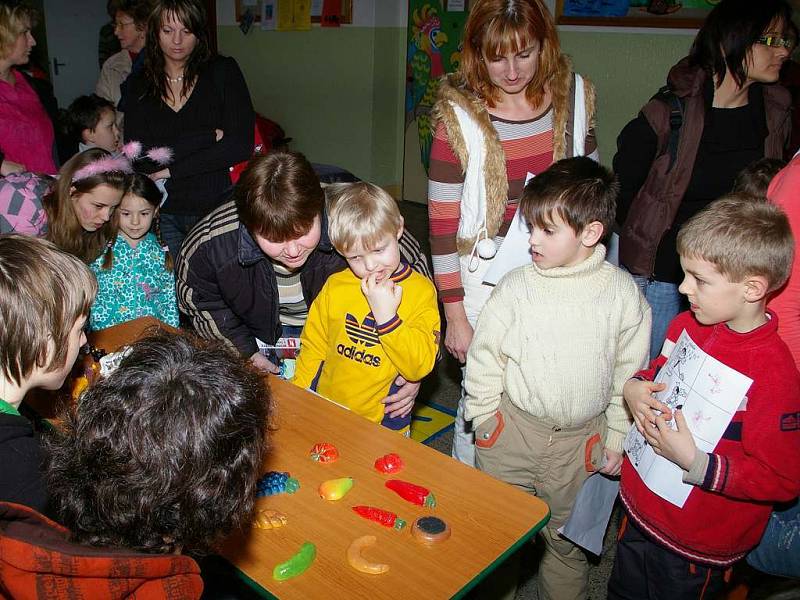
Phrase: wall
[337,92]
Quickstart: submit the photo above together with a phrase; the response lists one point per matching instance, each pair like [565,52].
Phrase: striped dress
[528,147]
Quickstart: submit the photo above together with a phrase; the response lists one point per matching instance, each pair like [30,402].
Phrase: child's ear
[755,288]
[592,234]
[88,136]
[400,230]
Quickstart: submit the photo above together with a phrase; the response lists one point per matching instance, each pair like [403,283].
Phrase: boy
[45,296]
[92,123]
[160,458]
[755,178]
[373,322]
[733,254]
[552,349]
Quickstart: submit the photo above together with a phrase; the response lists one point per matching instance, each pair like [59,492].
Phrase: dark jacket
[21,459]
[227,285]
[37,560]
[648,214]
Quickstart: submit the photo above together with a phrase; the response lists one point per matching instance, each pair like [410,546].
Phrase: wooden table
[489,519]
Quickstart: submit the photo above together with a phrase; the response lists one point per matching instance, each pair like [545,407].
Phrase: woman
[130,27]
[75,211]
[729,114]
[507,113]
[27,106]
[195,103]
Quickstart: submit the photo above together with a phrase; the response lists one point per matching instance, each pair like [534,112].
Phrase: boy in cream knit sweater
[553,347]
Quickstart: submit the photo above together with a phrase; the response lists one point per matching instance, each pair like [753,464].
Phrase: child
[552,349]
[755,178]
[92,123]
[733,254]
[45,295]
[134,274]
[374,321]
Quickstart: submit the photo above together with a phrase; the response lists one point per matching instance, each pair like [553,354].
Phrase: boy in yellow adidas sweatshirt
[374,321]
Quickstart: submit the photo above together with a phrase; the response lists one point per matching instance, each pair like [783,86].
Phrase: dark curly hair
[163,455]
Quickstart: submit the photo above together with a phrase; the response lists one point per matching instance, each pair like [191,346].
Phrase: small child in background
[733,254]
[755,178]
[553,346]
[375,321]
[45,295]
[92,123]
[134,274]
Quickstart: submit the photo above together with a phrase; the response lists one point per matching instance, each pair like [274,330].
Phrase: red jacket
[37,560]
[753,465]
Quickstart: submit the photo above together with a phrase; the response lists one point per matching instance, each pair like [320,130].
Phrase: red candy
[324,452]
[389,463]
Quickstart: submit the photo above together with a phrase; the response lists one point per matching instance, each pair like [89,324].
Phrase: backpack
[676,105]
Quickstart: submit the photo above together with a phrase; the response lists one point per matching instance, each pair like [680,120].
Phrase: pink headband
[122,161]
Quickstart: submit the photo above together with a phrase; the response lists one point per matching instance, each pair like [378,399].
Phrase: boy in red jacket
[733,255]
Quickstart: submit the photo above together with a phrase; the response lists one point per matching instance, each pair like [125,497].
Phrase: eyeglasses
[122,24]
[774,41]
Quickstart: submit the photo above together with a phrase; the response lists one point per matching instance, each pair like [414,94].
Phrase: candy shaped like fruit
[415,494]
[270,519]
[335,489]
[276,482]
[384,517]
[297,564]
[357,560]
[324,452]
[389,463]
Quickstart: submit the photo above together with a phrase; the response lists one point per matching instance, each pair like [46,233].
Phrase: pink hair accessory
[162,155]
[132,150]
[105,164]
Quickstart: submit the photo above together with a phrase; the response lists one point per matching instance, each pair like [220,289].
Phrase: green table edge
[265,593]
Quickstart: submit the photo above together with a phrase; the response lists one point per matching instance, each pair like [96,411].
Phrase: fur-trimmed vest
[477,145]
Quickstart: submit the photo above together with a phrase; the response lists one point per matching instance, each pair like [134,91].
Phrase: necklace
[175,79]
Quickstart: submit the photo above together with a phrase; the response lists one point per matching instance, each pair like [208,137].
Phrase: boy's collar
[402,273]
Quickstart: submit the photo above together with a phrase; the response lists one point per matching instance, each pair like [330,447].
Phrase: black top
[21,458]
[200,166]
[732,139]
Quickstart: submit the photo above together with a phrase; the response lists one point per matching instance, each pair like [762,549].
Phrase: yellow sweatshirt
[348,358]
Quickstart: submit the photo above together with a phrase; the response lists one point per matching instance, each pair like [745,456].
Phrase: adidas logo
[365,333]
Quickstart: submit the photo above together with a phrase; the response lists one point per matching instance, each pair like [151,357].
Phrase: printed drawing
[698,418]
[636,449]
[679,360]
[716,388]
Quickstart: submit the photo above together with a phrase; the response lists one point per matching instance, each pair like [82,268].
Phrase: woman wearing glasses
[720,111]
[130,27]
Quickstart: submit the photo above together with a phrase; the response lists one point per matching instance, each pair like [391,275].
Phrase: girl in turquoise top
[134,275]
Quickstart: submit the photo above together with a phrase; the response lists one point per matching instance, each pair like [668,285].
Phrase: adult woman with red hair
[514,107]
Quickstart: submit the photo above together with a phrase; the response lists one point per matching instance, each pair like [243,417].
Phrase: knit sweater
[559,344]
[753,465]
[349,358]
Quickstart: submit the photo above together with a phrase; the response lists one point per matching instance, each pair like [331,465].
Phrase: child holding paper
[733,254]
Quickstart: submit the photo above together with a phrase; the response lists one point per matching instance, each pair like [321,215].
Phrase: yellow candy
[335,489]
[270,519]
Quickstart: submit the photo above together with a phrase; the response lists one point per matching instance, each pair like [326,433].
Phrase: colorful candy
[384,517]
[297,564]
[324,452]
[389,463]
[358,562]
[276,482]
[335,489]
[270,519]
[415,494]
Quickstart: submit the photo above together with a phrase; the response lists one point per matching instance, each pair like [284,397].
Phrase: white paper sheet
[588,521]
[709,393]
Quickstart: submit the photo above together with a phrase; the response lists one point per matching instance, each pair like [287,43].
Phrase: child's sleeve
[486,362]
[413,343]
[632,350]
[763,467]
[166,301]
[313,340]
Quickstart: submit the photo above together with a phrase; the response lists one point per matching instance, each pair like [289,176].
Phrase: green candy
[297,564]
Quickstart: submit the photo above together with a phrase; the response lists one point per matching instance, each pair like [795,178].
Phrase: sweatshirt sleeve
[413,343]
[632,351]
[313,340]
[486,362]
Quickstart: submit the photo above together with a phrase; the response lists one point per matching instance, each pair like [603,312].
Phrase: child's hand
[639,398]
[383,297]
[675,445]
[262,363]
[613,464]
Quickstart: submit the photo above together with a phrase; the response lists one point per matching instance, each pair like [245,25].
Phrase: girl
[134,275]
[75,211]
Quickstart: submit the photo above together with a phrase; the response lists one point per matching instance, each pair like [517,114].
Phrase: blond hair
[13,21]
[741,238]
[43,292]
[360,213]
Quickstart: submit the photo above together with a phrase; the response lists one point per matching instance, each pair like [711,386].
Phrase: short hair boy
[733,255]
[376,320]
[92,123]
[45,296]
[552,349]
[755,178]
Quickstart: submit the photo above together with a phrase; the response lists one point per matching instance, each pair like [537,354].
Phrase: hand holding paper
[676,445]
[643,406]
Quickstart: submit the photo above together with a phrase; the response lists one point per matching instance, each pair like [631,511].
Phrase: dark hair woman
[195,102]
[720,112]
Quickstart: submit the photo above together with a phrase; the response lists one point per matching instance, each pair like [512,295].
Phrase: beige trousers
[551,463]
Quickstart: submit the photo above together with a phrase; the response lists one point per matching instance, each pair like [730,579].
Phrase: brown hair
[579,190]
[43,292]
[14,19]
[741,238]
[138,10]
[360,213]
[278,196]
[63,227]
[497,27]
[755,178]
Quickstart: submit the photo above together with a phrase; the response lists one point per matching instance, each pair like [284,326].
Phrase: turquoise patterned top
[137,285]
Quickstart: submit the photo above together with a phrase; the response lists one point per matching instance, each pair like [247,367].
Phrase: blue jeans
[666,302]
[174,228]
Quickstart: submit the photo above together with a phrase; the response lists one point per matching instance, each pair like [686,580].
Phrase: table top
[488,518]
